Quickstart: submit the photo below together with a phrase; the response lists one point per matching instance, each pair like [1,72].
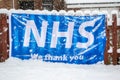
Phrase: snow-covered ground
[15,69]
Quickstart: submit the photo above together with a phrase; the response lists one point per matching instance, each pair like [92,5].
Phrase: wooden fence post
[106,55]
[3,37]
[114,41]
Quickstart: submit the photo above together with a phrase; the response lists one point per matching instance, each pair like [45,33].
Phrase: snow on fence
[112,50]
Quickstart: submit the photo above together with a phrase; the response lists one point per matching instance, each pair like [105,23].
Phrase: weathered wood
[114,41]
[3,37]
[106,55]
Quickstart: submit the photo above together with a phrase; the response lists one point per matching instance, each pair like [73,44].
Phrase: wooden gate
[4,39]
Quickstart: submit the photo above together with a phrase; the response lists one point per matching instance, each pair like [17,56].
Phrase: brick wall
[6,4]
[9,4]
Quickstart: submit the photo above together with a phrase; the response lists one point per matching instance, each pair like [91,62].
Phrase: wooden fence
[111,55]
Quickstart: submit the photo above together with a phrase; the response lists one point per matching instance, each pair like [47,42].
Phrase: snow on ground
[15,69]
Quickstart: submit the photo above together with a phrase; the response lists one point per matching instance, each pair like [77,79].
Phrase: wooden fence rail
[111,55]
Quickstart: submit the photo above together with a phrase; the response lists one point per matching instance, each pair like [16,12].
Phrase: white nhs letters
[86,34]
[41,37]
[56,34]
[30,25]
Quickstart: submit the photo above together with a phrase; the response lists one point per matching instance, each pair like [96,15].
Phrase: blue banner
[58,38]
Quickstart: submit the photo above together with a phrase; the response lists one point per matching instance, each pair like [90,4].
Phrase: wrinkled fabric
[58,38]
